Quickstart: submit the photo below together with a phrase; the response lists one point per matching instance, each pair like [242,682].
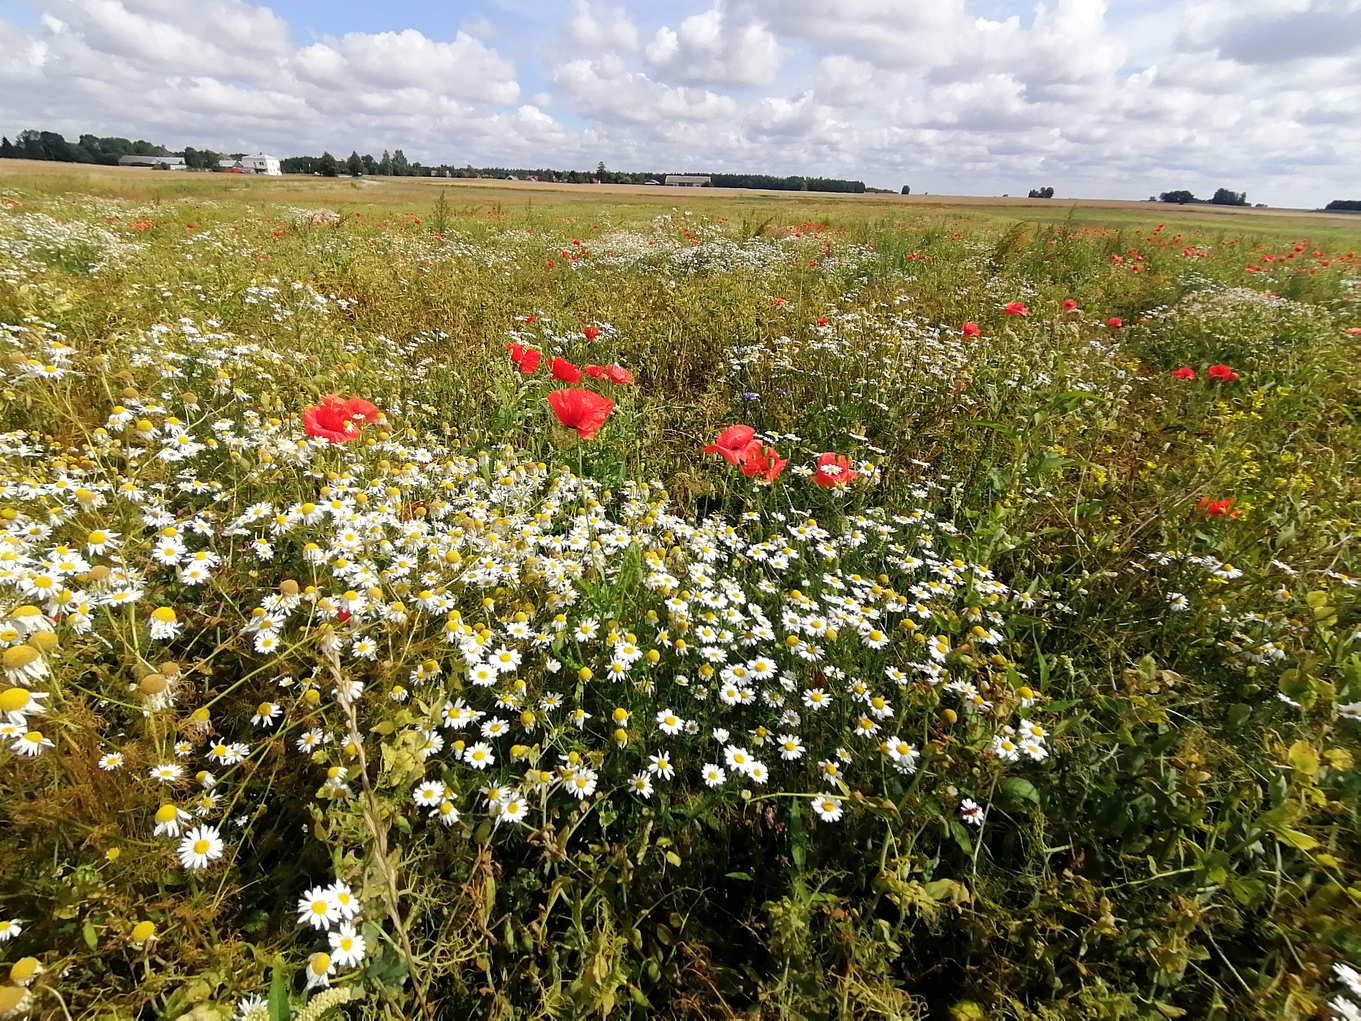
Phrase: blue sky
[1096,98]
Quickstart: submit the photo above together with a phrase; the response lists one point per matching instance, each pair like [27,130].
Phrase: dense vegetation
[1008,667]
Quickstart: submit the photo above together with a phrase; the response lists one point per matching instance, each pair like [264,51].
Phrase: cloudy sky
[1096,98]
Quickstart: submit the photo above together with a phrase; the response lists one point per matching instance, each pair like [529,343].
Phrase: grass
[1039,702]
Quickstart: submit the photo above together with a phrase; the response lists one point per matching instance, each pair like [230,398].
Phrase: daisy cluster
[526,636]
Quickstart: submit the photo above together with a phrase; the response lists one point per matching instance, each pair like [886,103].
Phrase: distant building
[262,164]
[159,162]
[651,181]
[257,164]
[687,181]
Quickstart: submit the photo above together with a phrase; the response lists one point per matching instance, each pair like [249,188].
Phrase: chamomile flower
[318,908]
[201,845]
[347,946]
[31,743]
[827,808]
[319,970]
[971,812]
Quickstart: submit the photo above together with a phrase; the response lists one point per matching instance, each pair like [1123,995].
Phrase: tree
[907,190]
[1180,197]
[354,164]
[1337,205]
[385,164]
[370,164]
[1224,197]
[327,165]
[400,166]
[1041,193]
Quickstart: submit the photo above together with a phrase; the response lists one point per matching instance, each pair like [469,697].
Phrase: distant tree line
[1222,197]
[1344,206]
[1042,193]
[48,145]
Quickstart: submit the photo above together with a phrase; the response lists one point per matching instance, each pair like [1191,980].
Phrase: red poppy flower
[1214,508]
[763,461]
[1354,331]
[334,419]
[834,471]
[1221,372]
[1069,304]
[822,320]
[582,410]
[517,351]
[619,375]
[1185,372]
[529,361]
[1015,308]
[1115,322]
[971,330]
[595,371]
[565,370]
[591,332]
[733,442]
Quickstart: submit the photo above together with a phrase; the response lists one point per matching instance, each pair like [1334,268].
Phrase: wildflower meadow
[424,603]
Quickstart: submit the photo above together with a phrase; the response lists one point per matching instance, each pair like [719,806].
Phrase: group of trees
[1222,197]
[393,164]
[1041,193]
[1344,206]
[49,145]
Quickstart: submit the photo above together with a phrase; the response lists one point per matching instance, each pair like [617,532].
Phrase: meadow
[439,600]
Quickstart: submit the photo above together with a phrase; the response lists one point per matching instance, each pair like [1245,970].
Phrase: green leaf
[279,1008]
[90,934]
[740,875]
[1018,789]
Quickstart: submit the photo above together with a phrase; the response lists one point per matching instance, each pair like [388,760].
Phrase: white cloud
[597,28]
[711,49]
[464,67]
[604,89]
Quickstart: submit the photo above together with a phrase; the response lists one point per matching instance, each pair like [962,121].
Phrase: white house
[262,164]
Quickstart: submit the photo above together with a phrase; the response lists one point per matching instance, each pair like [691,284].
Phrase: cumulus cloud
[598,28]
[713,48]
[607,91]
[1273,31]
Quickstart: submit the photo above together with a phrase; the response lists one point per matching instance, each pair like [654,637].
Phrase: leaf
[949,890]
[279,1008]
[90,934]
[1295,838]
[747,876]
[1303,758]
[1018,788]
[673,858]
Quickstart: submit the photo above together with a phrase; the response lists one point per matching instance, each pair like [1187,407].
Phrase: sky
[1094,98]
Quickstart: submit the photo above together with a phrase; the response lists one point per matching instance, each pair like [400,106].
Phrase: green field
[378,638]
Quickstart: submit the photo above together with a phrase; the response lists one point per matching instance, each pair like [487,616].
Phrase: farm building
[688,181]
[262,164]
[257,164]
[159,162]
